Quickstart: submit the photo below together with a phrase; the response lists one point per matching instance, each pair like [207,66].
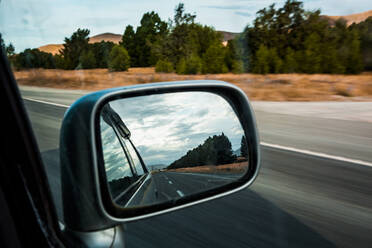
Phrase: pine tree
[74,47]
[355,60]
[214,59]
[119,59]
[243,147]
[289,64]
[261,62]
[87,60]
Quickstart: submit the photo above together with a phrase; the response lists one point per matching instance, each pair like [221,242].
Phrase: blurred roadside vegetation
[288,39]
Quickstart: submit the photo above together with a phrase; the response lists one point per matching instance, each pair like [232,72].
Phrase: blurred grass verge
[271,87]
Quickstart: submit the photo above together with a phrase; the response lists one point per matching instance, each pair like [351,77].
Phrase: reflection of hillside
[215,150]
[234,168]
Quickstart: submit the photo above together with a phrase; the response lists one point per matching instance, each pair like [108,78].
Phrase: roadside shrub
[164,66]
[181,66]
[214,59]
[193,65]
[119,59]
[237,67]
[87,60]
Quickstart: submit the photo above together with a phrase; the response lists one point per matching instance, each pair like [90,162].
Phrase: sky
[33,23]
[164,127]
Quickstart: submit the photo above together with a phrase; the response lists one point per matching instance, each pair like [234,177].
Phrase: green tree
[164,66]
[10,50]
[181,66]
[215,150]
[237,67]
[275,63]
[59,61]
[119,59]
[87,59]
[355,59]
[243,147]
[2,44]
[74,47]
[194,65]
[128,41]
[151,29]
[214,59]
[33,58]
[312,54]
[290,63]
[101,51]
[261,64]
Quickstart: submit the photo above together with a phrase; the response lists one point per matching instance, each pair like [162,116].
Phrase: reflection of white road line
[140,187]
[180,193]
[317,154]
[170,182]
[209,175]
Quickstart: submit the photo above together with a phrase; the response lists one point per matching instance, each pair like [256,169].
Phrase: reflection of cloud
[246,14]
[164,127]
[116,164]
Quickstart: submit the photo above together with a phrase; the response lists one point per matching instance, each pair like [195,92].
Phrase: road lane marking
[287,148]
[170,182]
[180,193]
[50,103]
[317,154]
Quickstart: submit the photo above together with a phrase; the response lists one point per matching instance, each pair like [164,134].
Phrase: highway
[165,186]
[298,200]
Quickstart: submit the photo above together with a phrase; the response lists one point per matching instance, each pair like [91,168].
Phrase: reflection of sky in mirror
[116,164]
[164,127]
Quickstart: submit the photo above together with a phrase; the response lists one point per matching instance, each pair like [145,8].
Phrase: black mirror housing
[87,205]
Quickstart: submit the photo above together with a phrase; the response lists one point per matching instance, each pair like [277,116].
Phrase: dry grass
[240,168]
[281,87]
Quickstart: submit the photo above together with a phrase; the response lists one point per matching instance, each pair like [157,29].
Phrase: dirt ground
[272,87]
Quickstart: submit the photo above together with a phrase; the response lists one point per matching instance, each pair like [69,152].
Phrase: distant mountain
[350,19]
[228,35]
[54,48]
[116,38]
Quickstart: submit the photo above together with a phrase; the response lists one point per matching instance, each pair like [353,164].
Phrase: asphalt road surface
[298,200]
[167,185]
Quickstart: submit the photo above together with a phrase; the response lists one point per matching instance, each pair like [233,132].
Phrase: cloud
[246,14]
[164,127]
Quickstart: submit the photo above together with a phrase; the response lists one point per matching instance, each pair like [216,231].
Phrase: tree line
[288,39]
[215,150]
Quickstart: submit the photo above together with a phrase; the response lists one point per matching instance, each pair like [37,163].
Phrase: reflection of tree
[243,147]
[215,150]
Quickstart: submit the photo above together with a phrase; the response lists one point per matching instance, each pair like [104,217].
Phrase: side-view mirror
[135,152]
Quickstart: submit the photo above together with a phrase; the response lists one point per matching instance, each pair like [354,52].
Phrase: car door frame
[29,215]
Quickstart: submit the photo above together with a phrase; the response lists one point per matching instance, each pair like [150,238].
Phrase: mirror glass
[163,147]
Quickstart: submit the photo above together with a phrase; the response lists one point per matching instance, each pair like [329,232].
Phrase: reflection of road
[164,186]
[297,201]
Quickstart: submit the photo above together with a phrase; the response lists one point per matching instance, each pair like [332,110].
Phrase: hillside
[116,38]
[350,19]
[54,48]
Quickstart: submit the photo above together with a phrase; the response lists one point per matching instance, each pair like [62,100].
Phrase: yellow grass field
[278,87]
[239,168]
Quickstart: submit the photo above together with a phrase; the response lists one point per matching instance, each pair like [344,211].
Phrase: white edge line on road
[50,103]
[292,149]
[318,154]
